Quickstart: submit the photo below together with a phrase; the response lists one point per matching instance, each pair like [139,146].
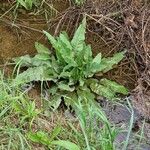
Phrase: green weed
[70,68]
[26,110]
[49,140]
[11,134]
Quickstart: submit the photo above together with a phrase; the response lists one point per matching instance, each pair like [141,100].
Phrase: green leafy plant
[27,4]
[49,140]
[26,110]
[79,2]
[70,68]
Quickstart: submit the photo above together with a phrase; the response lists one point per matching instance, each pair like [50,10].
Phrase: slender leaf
[108,63]
[66,144]
[55,45]
[39,137]
[79,37]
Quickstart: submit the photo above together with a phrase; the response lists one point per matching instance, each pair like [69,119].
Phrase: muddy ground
[112,26]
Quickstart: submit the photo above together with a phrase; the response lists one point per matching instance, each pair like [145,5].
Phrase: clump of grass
[94,131]
[12,136]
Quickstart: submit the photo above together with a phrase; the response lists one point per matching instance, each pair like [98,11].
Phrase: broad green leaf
[97,59]
[108,63]
[96,63]
[79,37]
[65,40]
[70,99]
[85,94]
[55,65]
[55,102]
[66,144]
[75,75]
[81,81]
[80,59]
[37,60]
[65,49]
[23,61]
[65,75]
[79,2]
[53,90]
[40,73]
[26,3]
[101,90]
[41,60]
[117,88]
[55,45]
[41,48]
[29,4]
[65,86]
